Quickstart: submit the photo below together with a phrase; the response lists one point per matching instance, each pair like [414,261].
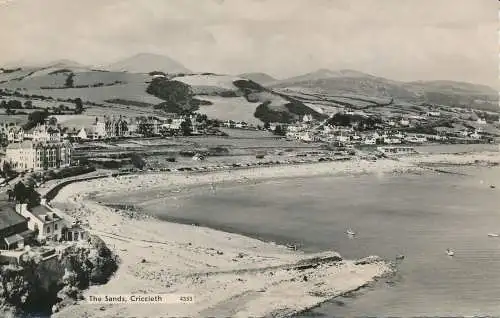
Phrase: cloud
[401,39]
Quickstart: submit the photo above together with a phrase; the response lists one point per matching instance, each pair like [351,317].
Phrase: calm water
[418,216]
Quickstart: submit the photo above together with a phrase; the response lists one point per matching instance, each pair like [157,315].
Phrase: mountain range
[125,83]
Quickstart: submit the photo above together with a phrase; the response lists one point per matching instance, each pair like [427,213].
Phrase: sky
[398,39]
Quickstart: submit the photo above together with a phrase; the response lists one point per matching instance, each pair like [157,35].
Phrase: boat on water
[450,252]
[292,247]
[350,232]
[493,235]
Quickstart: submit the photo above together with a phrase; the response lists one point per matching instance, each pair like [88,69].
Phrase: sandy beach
[229,274]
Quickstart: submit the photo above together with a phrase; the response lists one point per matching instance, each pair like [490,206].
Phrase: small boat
[350,232]
[493,235]
[292,247]
[450,252]
[400,257]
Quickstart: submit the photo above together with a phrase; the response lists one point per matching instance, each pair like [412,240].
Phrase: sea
[419,216]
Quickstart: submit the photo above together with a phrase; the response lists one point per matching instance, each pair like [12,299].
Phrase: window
[48,230]
[55,227]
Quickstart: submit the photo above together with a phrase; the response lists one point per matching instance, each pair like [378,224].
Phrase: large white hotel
[38,149]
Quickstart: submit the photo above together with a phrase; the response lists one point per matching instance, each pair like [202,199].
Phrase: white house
[343,138]
[481,121]
[392,140]
[307,137]
[404,122]
[370,141]
[433,114]
[82,134]
[42,219]
[307,118]
[475,135]
[99,130]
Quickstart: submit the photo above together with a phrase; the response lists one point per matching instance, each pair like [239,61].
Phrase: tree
[52,121]
[279,131]
[45,162]
[187,127]
[267,125]
[200,118]
[33,197]
[7,170]
[20,192]
[69,80]
[10,193]
[14,104]
[28,104]
[78,106]
[35,118]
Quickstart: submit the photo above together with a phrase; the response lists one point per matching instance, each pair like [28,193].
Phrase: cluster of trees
[267,115]
[24,194]
[13,104]
[178,96]
[361,122]
[35,118]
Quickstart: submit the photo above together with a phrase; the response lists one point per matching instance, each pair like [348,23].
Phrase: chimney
[21,207]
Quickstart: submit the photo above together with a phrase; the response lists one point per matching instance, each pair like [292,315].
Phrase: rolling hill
[247,97]
[260,78]
[251,97]
[147,62]
[348,82]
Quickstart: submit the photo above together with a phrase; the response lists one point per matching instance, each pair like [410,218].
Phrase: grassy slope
[255,95]
[436,92]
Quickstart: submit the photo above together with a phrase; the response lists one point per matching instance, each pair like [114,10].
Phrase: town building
[43,133]
[115,127]
[31,155]
[84,134]
[46,224]
[42,148]
[404,122]
[15,134]
[433,114]
[74,232]
[14,231]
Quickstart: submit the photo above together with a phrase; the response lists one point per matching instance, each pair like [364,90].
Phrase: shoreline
[196,249]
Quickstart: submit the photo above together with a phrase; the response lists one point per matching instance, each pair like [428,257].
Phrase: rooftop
[27,144]
[9,217]
[41,211]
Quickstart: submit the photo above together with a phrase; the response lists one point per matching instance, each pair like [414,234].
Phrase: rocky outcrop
[45,286]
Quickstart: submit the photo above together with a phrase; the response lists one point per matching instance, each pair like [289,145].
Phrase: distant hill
[320,74]
[64,63]
[147,62]
[261,78]
[348,82]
